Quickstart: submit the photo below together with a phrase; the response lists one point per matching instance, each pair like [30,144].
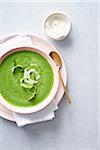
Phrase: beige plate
[37,42]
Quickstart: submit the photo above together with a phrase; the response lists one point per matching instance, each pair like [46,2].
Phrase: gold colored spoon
[54,55]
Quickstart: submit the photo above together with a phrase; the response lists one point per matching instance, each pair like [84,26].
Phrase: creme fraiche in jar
[57,25]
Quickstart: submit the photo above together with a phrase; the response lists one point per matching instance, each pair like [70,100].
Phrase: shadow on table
[67,42]
[48,126]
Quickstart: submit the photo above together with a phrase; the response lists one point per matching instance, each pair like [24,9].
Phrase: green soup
[26,78]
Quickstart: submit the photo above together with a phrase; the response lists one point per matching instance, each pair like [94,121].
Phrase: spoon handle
[65,90]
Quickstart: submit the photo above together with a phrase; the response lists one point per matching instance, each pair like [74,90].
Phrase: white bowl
[45,102]
[57,25]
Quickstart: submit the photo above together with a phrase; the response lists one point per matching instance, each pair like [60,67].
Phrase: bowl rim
[46,101]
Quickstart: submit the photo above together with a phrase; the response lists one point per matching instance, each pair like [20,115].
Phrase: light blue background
[75,127]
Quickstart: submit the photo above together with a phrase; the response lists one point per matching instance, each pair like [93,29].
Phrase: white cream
[57,26]
[26,81]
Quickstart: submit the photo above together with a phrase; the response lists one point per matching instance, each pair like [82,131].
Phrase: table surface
[75,126]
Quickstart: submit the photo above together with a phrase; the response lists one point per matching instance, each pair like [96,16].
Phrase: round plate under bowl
[47,48]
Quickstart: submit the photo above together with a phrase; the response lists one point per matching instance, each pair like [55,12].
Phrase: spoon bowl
[56,58]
